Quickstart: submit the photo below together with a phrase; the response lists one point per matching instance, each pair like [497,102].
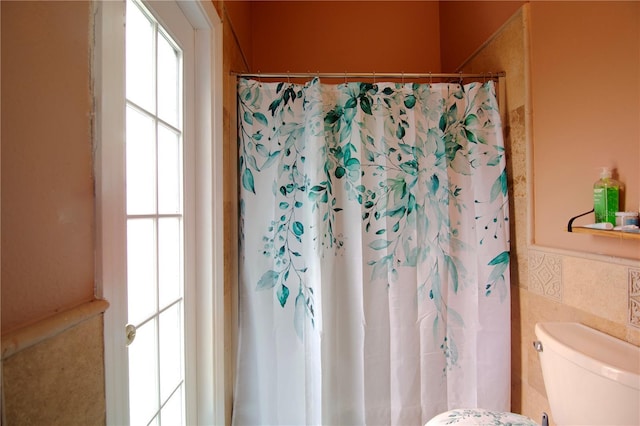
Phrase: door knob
[130,331]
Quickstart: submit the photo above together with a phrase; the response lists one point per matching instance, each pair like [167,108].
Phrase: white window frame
[206,336]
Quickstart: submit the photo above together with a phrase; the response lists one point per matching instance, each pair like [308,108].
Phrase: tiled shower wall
[547,284]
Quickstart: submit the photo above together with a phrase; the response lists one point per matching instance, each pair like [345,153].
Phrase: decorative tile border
[634,297]
[545,274]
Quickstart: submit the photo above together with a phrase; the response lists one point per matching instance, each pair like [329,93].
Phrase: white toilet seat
[479,416]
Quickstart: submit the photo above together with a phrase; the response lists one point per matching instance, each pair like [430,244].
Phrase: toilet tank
[591,378]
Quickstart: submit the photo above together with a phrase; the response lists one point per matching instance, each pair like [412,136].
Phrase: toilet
[591,378]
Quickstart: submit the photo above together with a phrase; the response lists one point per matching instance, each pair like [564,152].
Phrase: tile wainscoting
[53,370]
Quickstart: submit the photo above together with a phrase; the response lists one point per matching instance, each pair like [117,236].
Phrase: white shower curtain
[374,253]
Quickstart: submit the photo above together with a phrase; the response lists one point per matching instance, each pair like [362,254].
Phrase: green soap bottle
[606,197]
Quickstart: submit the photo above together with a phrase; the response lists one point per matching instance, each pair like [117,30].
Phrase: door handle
[130,332]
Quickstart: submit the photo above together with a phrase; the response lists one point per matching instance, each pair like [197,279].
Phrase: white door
[159,96]
[158,173]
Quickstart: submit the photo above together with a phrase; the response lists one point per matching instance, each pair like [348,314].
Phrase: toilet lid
[479,416]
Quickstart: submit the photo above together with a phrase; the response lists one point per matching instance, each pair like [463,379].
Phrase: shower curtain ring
[430,78]
[403,78]
[460,78]
[288,79]
[345,77]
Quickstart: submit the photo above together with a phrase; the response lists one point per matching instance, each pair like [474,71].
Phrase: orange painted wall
[466,25]
[238,14]
[345,36]
[47,183]
[585,63]
[419,34]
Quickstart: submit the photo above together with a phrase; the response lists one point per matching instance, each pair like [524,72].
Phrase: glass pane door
[155,225]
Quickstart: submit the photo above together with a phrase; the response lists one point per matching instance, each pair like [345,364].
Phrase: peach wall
[52,331]
[466,25]
[47,183]
[345,36]
[585,63]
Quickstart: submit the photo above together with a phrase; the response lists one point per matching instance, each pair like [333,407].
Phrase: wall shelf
[604,233]
[600,232]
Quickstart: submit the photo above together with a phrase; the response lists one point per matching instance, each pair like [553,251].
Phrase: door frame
[206,336]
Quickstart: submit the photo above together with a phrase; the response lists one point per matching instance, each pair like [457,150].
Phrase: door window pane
[170,352]
[171,413]
[141,269]
[169,171]
[139,55]
[141,160]
[169,260]
[168,82]
[143,375]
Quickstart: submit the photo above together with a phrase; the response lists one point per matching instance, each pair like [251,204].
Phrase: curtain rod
[370,75]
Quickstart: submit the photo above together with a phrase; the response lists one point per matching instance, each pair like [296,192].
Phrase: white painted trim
[209,213]
[109,151]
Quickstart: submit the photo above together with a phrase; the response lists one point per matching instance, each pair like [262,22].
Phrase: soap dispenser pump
[606,197]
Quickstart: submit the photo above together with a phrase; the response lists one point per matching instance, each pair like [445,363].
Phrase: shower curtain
[374,253]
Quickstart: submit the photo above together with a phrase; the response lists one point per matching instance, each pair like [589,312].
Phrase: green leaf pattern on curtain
[405,153]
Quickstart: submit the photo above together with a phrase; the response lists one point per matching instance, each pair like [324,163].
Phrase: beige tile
[545,274]
[59,381]
[615,329]
[516,151]
[598,288]
[634,312]
[518,218]
[632,335]
[522,339]
[534,404]
[634,282]
[539,309]
[517,347]
[634,297]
